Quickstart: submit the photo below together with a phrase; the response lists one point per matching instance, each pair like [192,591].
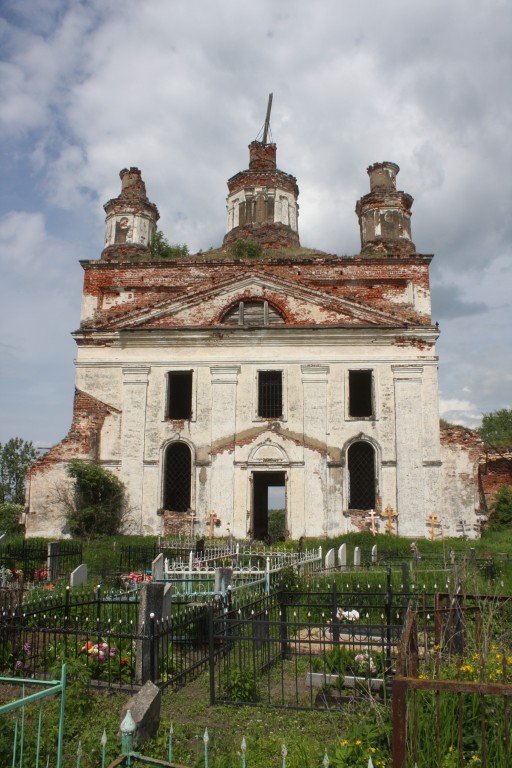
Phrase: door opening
[269,506]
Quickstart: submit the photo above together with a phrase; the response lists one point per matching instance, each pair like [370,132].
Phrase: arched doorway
[361,474]
[177,477]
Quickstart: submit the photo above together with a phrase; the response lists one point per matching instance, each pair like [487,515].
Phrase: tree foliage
[16,456]
[243,249]
[162,249]
[502,509]
[99,502]
[496,428]
[10,517]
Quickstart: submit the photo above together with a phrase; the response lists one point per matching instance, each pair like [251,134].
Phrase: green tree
[99,500]
[162,249]
[16,456]
[501,509]
[9,518]
[246,249]
[496,428]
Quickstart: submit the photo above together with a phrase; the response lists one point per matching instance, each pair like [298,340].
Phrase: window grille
[177,479]
[270,394]
[361,470]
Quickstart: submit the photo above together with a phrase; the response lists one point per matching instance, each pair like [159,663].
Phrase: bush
[501,509]
[9,518]
[240,685]
[244,249]
[162,249]
[99,504]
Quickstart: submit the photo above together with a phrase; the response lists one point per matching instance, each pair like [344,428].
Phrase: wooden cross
[389,514]
[434,521]
[373,515]
[212,518]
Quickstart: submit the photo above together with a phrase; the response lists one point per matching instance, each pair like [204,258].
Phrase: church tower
[385,215]
[262,201]
[131,218]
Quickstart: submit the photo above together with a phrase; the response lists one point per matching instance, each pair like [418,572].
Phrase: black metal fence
[38,562]
[300,649]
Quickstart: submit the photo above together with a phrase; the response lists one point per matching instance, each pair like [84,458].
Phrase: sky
[179,88]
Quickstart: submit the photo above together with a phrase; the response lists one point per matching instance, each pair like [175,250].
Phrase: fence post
[211,653]
[335,623]
[283,622]
[399,723]
[388,602]
[152,649]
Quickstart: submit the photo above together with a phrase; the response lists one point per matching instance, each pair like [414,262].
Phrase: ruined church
[209,382]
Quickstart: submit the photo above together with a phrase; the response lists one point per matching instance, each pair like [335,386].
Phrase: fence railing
[47,562]
[13,714]
[452,697]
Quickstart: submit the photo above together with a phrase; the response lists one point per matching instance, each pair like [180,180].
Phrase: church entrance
[269,505]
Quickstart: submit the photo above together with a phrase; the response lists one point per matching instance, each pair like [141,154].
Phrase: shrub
[99,503]
[162,249]
[9,518]
[246,249]
[240,685]
[502,509]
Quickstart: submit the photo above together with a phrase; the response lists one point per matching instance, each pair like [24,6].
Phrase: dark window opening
[270,394]
[179,395]
[177,477]
[361,472]
[360,394]
[252,313]
[269,505]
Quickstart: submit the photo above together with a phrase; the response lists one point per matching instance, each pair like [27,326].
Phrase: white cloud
[179,89]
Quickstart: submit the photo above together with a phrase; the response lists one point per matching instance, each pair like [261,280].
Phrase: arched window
[252,313]
[177,477]
[361,473]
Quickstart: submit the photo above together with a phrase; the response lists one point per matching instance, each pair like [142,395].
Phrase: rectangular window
[179,395]
[360,394]
[270,394]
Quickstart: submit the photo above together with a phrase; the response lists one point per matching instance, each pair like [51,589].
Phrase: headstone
[223,579]
[154,607]
[374,554]
[342,556]
[52,561]
[79,576]
[145,711]
[357,557]
[157,568]
[330,559]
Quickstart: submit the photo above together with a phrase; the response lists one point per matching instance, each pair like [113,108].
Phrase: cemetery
[416,637]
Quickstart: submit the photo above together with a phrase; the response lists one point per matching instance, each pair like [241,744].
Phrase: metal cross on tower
[267,119]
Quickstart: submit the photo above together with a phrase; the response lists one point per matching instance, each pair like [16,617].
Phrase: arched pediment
[268,452]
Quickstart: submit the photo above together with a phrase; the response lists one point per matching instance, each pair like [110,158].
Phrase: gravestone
[223,579]
[374,554]
[78,577]
[154,607]
[330,559]
[157,568]
[52,561]
[145,711]
[357,557]
[342,556]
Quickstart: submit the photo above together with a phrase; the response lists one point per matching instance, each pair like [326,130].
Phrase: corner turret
[385,215]
[131,218]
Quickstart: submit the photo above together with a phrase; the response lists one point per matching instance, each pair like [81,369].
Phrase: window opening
[361,473]
[360,396]
[179,395]
[177,477]
[270,394]
[269,506]
[252,313]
